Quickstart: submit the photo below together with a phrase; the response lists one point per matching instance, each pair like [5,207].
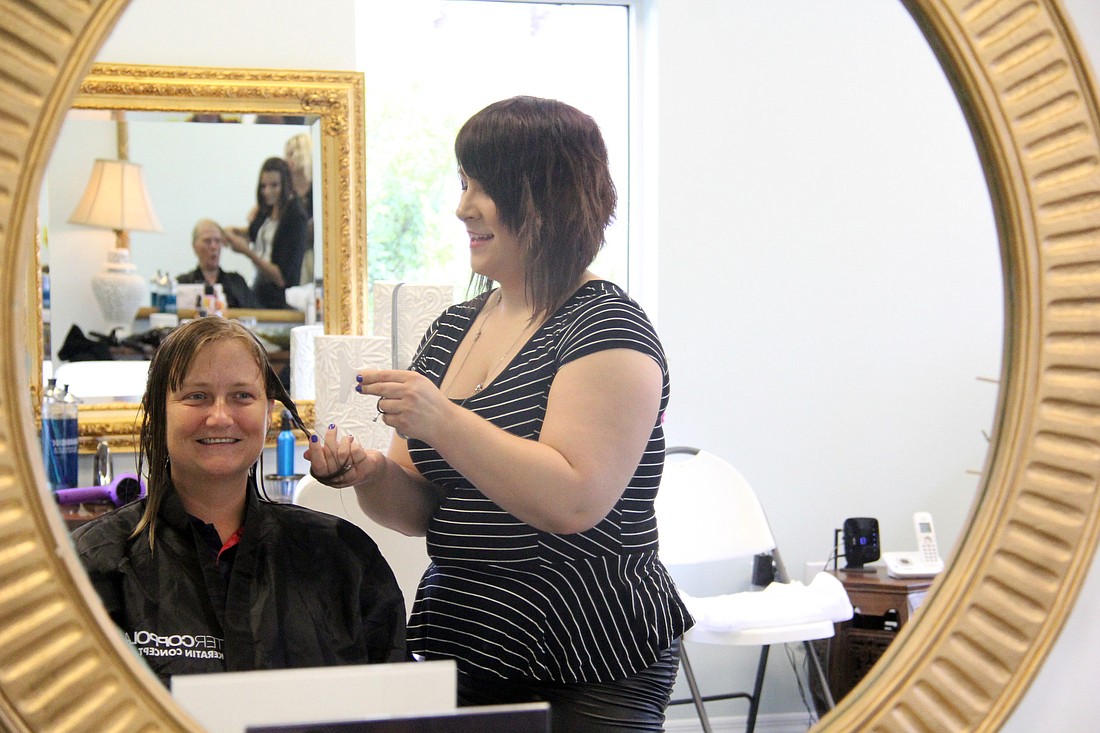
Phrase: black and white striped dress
[505,599]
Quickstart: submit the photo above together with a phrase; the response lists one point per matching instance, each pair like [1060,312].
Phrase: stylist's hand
[408,401]
[341,461]
[237,238]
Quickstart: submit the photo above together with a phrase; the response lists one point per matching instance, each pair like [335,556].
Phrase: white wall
[829,276]
[828,289]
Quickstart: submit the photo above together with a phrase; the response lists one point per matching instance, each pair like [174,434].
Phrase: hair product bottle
[70,414]
[52,434]
[59,436]
[284,448]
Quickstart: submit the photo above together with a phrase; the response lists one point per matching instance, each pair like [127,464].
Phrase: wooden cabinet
[882,606]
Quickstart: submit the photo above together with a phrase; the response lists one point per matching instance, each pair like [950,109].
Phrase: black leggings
[635,703]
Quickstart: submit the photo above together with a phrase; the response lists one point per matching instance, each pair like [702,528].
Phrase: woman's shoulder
[600,315]
[295,210]
[602,296]
[106,537]
[310,526]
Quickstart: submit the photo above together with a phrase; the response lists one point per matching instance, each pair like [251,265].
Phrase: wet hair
[171,363]
[286,188]
[544,164]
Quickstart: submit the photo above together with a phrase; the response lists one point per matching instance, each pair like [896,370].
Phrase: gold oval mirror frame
[990,620]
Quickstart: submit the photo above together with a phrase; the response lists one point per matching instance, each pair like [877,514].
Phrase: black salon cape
[306,590]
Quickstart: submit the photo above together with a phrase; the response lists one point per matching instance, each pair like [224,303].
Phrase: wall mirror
[194,165]
[165,109]
[990,620]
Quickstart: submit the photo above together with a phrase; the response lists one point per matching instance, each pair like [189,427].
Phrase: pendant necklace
[481,385]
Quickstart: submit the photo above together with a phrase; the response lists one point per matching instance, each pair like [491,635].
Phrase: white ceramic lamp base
[119,291]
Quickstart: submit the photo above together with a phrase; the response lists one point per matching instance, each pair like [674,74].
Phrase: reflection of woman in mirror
[535,447]
[207,239]
[204,574]
[275,240]
[298,154]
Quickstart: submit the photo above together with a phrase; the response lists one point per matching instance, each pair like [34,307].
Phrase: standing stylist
[535,448]
[275,240]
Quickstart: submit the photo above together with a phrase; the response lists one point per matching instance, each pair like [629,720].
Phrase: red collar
[233,541]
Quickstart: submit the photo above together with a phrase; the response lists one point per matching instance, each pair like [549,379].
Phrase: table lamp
[116,198]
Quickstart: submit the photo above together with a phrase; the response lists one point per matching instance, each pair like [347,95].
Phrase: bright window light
[429,65]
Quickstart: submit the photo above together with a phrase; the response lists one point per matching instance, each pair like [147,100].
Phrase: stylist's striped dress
[505,599]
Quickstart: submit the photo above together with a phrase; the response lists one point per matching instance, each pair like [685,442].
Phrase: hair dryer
[122,490]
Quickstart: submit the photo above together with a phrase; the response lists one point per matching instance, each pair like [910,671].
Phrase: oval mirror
[990,619]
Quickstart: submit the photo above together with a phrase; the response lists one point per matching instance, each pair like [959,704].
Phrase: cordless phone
[925,561]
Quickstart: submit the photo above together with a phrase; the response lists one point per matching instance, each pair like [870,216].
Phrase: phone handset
[926,538]
[923,563]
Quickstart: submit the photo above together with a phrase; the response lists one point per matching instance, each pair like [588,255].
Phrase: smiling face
[495,251]
[217,420]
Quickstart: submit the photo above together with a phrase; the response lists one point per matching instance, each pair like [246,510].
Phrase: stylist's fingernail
[313,439]
[358,377]
[331,425]
[359,388]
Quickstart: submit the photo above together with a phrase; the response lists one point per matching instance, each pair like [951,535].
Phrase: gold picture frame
[988,622]
[334,98]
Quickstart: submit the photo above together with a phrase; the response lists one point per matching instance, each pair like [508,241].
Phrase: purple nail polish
[331,426]
[359,388]
[313,439]
[358,377]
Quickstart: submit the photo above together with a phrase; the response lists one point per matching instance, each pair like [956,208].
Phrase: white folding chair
[707,513]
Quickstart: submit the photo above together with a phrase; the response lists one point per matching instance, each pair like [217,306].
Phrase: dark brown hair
[286,187]
[167,371]
[544,164]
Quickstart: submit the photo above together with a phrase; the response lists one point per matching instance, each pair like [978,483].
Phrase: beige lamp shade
[116,198]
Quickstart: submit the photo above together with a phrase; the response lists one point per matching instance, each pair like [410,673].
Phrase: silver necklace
[481,385]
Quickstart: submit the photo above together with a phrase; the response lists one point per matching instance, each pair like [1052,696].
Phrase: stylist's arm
[593,435]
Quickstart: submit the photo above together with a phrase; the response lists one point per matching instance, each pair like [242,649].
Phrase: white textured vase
[303,385]
[403,312]
[119,291]
[338,359]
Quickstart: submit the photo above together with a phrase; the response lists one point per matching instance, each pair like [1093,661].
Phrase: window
[429,65]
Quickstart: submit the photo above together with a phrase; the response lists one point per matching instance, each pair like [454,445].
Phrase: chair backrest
[706,511]
[407,556]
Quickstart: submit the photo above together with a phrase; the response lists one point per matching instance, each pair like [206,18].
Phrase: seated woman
[275,239]
[204,574]
[207,239]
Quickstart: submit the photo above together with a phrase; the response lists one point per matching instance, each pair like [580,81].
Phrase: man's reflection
[207,239]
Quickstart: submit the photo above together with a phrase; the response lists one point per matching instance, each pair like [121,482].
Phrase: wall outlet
[812,569]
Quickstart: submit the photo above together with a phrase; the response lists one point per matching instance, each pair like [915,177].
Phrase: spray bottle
[284,448]
[53,433]
[70,414]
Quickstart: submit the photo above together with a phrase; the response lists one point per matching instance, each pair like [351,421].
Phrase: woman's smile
[217,419]
[477,240]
